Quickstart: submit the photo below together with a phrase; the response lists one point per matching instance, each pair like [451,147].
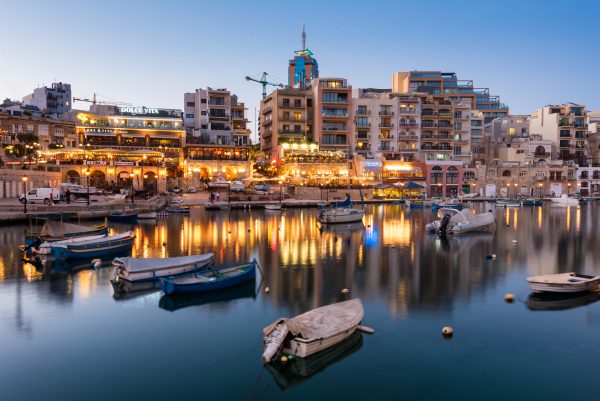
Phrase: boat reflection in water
[560,301]
[298,370]
[174,302]
[124,290]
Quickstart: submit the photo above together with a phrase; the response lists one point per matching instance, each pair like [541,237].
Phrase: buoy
[165,243]
[447,331]
[368,226]
[284,359]
[290,357]
[248,230]
[96,262]
[515,241]
[267,290]
[229,232]
[345,291]
[509,298]
[493,256]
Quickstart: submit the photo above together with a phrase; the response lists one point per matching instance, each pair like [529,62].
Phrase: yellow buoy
[345,291]
[509,298]
[447,331]
[284,359]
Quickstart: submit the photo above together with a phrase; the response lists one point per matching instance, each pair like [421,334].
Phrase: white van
[42,195]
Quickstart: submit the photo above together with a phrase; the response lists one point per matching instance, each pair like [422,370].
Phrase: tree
[27,138]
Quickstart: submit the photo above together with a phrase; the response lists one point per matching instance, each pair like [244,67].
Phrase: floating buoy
[515,241]
[96,262]
[368,226]
[490,256]
[509,298]
[345,291]
[229,232]
[284,359]
[447,331]
[290,357]
[267,290]
[249,230]
[164,243]
[493,256]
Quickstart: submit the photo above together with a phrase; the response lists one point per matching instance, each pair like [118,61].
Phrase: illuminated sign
[372,164]
[124,163]
[128,110]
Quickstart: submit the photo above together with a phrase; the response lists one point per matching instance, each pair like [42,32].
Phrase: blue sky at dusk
[530,53]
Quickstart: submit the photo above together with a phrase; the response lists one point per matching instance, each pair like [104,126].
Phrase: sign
[100,131]
[372,164]
[133,111]
[96,162]
[124,163]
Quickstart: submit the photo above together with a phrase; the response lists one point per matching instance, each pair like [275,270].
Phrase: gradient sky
[531,53]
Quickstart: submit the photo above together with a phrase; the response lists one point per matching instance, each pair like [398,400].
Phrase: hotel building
[448,86]
[332,114]
[55,99]
[566,126]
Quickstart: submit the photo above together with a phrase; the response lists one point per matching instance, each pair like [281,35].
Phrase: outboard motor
[444,224]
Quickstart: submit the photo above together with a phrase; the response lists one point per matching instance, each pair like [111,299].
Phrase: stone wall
[11,181]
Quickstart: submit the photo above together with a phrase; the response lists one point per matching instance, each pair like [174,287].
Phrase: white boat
[508,203]
[148,216]
[564,282]
[455,221]
[340,215]
[148,269]
[273,206]
[566,200]
[313,331]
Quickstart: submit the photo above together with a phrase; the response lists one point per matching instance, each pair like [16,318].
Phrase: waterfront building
[448,86]
[50,133]
[303,68]
[332,114]
[216,117]
[588,180]
[444,177]
[594,136]
[478,142]
[566,126]
[55,99]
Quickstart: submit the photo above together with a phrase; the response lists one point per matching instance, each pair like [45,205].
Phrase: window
[511,131]
[297,103]
[202,100]
[297,116]
[43,130]
[362,110]
[565,133]
[189,115]
[202,113]
[190,104]
[298,128]
[204,126]
[286,102]
[362,122]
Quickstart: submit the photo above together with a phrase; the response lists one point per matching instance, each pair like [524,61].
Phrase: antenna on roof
[303,38]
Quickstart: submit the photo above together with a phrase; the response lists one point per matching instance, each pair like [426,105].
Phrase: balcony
[386,125]
[267,122]
[291,106]
[408,124]
[292,132]
[445,114]
[386,113]
[363,135]
[406,110]
[218,117]
[292,119]
[428,124]
[363,126]
[386,137]
[334,115]
[363,112]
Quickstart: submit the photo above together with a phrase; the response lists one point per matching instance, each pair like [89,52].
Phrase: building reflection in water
[387,258]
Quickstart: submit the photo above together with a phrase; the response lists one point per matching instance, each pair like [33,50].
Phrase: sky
[530,53]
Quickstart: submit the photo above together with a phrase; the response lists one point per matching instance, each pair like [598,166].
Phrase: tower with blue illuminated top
[303,67]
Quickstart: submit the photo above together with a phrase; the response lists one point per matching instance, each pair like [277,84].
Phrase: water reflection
[553,302]
[174,302]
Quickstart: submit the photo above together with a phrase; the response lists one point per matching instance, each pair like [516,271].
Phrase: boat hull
[91,251]
[564,283]
[170,287]
[123,218]
[301,348]
[327,218]
[563,288]
[178,209]
[31,238]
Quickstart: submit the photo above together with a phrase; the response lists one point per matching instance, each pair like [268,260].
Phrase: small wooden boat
[125,217]
[508,203]
[340,215]
[273,206]
[147,216]
[53,231]
[565,200]
[454,221]
[149,269]
[181,209]
[564,282]
[313,331]
[209,280]
[88,247]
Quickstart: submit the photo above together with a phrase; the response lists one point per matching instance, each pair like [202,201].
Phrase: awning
[413,185]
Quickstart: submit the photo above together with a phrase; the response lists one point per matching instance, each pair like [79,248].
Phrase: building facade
[55,99]
[50,133]
[332,114]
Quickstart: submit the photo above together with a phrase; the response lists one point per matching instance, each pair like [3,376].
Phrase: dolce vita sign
[138,110]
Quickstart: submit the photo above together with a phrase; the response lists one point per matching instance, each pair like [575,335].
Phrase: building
[215,117]
[478,142]
[566,127]
[594,137]
[55,99]
[332,114]
[448,86]
[509,126]
[303,68]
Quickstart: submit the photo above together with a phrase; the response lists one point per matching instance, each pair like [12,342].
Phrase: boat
[564,283]
[87,247]
[532,202]
[149,269]
[451,204]
[313,331]
[508,203]
[53,231]
[341,213]
[209,280]
[124,217]
[565,200]
[262,187]
[175,302]
[454,221]
[273,206]
[147,216]
[418,203]
[180,209]
[297,370]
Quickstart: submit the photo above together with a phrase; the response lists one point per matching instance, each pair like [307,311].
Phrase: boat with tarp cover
[149,269]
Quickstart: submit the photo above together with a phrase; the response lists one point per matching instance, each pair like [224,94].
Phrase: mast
[303,38]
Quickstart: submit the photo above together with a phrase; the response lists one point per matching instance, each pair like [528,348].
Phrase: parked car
[42,195]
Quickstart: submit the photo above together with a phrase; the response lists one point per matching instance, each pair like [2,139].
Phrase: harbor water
[67,334]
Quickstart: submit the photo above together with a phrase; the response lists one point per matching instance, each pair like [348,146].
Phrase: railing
[386,137]
[405,110]
[363,126]
[325,114]
[386,125]
[407,124]
[292,132]
[386,113]
[363,113]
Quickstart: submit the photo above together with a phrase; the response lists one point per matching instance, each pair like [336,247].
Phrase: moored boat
[450,204]
[209,280]
[532,202]
[508,203]
[53,231]
[564,282]
[181,209]
[147,216]
[149,269]
[125,217]
[454,221]
[565,200]
[273,206]
[313,331]
[340,215]
[88,247]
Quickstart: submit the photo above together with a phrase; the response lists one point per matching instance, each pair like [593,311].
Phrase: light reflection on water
[411,283]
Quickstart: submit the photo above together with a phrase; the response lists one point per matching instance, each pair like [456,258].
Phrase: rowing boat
[88,247]
[149,269]
[564,282]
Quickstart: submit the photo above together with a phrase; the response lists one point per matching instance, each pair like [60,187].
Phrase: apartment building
[594,136]
[478,142]
[566,126]
[509,126]
[332,114]
[215,117]
[51,133]
[55,99]
[448,86]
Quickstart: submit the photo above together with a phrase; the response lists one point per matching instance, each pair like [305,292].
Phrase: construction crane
[94,101]
[263,81]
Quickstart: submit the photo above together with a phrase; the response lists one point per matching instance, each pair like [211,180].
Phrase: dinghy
[209,280]
[508,203]
[273,206]
[88,247]
[340,215]
[147,216]
[449,204]
[53,231]
[454,221]
[313,331]
[565,200]
[564,282]
[149,269]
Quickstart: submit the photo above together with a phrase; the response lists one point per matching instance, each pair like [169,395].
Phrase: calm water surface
[66,335]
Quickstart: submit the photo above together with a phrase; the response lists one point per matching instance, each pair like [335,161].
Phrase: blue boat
[53,231]
[210,280]
[123,217]
[87,247]
[532,202]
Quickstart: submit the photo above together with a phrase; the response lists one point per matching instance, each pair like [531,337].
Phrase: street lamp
[24,194]
[568,189]
[131,175]
[87,177]
[515,185]
[540,189]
